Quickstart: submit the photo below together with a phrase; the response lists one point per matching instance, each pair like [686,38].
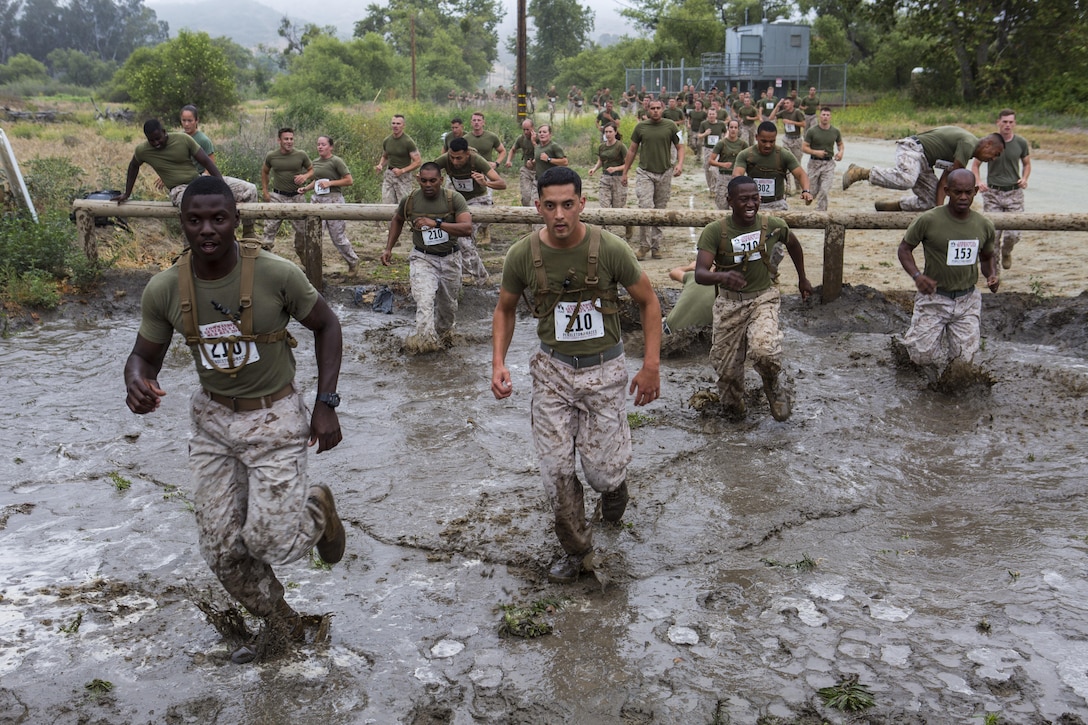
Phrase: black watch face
[330,399]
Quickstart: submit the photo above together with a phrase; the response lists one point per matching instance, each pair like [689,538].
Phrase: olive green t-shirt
[768,171]
[461,179]
[948,143]
[485,144]
[730,257]
[615,266]
[280,292]
[332,168]
[676,115]
[526,146]
[793,123]
[174,162]
[748,114]
[820,140]
[398,151]
[553,151]
[437,208]
[810,106]
[285,167]
[727,151]
[654,142]
[206,145]
[717,130]
[1005,169]
[945,239]
[696,118]
[613,155]
[694,307]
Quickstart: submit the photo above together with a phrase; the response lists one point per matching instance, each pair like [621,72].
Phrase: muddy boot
[642,252]
[1006,256]
[900,354]
[485,237]
[656,254]
[777,397]
[614,503]
[570,567]
[853,175]
[333,541]
[888,206]
[279,632]
[629,234]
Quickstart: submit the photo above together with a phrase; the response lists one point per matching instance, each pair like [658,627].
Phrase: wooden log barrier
[833,223]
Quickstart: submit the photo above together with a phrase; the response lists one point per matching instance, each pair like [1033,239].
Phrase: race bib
[222,353]
[746,243]
[962,252]
[322,187]
[712,140]
[790,127]
[463,185]
[434,236]
[586,321]
[766,187]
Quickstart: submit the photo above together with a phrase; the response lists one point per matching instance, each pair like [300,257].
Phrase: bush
[53,182]
[29,289]
[43,246]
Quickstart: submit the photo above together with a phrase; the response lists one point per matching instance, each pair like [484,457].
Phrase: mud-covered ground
[930,545]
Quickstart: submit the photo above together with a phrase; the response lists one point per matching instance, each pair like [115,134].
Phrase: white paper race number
[222,353]
[962,252]
[585,321]
[463,185]
[434,236]
[744,244]
[766,187]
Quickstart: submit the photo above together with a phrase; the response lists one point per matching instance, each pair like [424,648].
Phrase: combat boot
[777,397]
[888,206]
[333,541]
[1006,256]
[853,175]
[570,567]
[641,253]
[614,503]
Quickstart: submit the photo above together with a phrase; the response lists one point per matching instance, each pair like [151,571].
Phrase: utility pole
[519,81]
[412,27]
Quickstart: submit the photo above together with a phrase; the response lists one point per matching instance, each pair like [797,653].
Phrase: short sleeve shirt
[940,233]
[552,151]
[729,253]
[948,143]
[206,145]
[717,130]
[727,151]
[399,150]
[526,146]
[793,123]
[174,162]
[654,141]
[820,140]
[616,266]
[610,156]
[285,167]
[768,171]
[1005,169]
[280,292]
[437,208]
[332,168]
[486,144]
[461,179]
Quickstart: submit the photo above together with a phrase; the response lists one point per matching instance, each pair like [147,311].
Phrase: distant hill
[246,22]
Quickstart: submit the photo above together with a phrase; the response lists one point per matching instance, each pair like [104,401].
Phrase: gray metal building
[760,55]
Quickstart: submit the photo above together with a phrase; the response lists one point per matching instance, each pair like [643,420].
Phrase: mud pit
[945,532]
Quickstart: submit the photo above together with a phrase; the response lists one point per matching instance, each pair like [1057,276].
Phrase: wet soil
[929,544]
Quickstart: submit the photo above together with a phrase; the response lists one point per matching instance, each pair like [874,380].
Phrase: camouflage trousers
[748,133]
[613,192]
[252,501]
[745,328]
[710,172]
[793,145]
[395,188]
[471,264]
[821,174]
[996,201]
[911,171]
[337,228]
[527,185]
[242,190]
[436,285]
[778,251]
[272,226]
[652,191]
[583,411]
[721,191]
[943,329]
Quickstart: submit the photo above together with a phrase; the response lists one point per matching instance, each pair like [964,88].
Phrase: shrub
[42,246]
[53,182]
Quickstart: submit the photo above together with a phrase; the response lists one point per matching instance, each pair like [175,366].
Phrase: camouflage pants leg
[911,171]
[793,145]
[471,264]
[436,285]
[778,251]
[652,191]
[337,228]
[583,411]
[394,187]
[527,185]
[743,329]
[710,172]
[943,329]
[821,174]
[995,201]
[749,133]
[721,191]
[613,193]
[272,226]
[252,499]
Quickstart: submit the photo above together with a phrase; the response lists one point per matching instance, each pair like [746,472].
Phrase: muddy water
[946,531]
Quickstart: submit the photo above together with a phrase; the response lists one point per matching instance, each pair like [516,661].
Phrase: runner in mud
[1006,179]
[247,453]
[438,218]
[945,148]
[579,373]
[947,309]
[746,309]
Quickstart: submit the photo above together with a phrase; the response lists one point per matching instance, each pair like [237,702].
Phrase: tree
[9,27]
[342,72]
[110,29]
[187,69]
[39,28]
[561,29]
[604,67]
[23,67]
[79,68]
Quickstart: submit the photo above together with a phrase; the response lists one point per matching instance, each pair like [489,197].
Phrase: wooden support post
[834,242]
[309,252]
[85,232]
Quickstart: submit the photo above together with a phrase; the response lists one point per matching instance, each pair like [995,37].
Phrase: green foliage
[528,620]
[53,182]
[848,695]
[32,288]
[562,31]
[74,66]
[340,72]
[119,482]
[42,246]
[187,69]
[598,66]
[23,67]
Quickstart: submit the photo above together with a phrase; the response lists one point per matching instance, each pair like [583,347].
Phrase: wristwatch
[330,399]
[437,223]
